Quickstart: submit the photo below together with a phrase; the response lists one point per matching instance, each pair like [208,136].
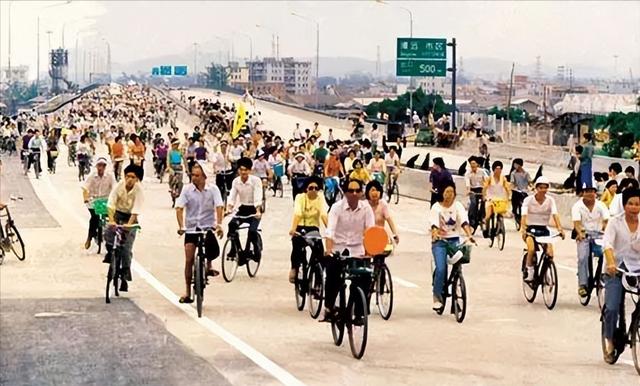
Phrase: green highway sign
[421,68]
[418,48]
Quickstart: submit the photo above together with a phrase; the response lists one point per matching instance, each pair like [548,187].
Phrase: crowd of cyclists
[229,163]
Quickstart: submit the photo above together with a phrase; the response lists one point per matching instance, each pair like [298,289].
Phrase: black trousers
[298,250]
[234,224]
[94,224]
[333,282]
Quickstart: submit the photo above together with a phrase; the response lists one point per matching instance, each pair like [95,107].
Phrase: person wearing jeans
[447,217]
[590,218]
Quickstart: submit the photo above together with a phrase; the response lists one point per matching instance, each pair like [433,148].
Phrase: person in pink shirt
[373,193]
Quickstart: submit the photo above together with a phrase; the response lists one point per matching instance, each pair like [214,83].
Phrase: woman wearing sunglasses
[309,209]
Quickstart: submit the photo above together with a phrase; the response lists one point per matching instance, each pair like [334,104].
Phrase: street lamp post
[250,58]
[77,51]
[317,51]
[410,35]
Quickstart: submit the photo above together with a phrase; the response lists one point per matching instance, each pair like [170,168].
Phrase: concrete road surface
[57,330]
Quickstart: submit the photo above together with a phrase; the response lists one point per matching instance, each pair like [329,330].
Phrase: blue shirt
[200,206]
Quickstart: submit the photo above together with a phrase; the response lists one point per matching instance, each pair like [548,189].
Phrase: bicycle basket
[500,206]
[466,252]
[100,206]
[358,267]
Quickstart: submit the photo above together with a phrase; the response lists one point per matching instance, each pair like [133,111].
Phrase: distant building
[596,103]
[294,75]
[237,74]
[435,86]
[19,74]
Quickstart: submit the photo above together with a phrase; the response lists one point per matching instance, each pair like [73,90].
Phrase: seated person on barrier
[349,218]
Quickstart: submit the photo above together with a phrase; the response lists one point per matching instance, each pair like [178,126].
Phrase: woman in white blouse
[622,249]
[448,219]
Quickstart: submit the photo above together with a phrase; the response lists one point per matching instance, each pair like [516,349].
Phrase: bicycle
[310,279]
[115,265]
[161,167]
[100,209]
[224,191]
[545,273]
[496,224]
[71,157]
[10,239]
[84,166]
[476,220]
[382,285]
[622,337]
[32,157]
[351,311]
[200,280]
[392,188]
[8,145]
[455,286]
[176,181]
[243,256]
[595,280]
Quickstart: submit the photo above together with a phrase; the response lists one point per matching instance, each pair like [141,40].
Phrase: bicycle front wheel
[316,288]
[459,297]
[279,188]
[17,245]
[253,262]
[357,325]
[550,284]
[384,292]
[337,326]
[500,233]
[530,289]
[198,283]
[229,263]
[635,342]
[301,285]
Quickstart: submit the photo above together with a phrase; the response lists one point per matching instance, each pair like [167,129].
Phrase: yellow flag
[241,115]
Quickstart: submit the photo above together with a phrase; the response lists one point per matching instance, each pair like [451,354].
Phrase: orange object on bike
[375,240]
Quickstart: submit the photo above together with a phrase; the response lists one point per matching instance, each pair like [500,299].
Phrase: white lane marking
[278,372]
[405,283]
[258,358]
[417,231]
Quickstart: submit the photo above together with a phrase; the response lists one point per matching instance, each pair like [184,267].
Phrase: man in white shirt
[97,185]
[349,218]
[235,153]
[589,217]
[537,210]
[204,206]
[224,170]
[246,194]
[474,179]
[299,169]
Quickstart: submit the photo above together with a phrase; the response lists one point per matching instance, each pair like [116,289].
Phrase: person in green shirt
[321,153]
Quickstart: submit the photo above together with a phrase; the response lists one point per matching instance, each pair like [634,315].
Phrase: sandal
[212,272]
[185,300]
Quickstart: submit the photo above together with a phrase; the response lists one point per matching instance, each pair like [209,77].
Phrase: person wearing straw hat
[299,170]
[97,185]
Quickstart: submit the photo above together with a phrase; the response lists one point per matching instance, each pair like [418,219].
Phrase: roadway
[251,333]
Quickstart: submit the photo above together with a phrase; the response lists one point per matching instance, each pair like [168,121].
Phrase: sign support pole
[453,85]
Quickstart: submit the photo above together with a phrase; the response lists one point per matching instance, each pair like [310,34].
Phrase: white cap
[542,180]
[102,161]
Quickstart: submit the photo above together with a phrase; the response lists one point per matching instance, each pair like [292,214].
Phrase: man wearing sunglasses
[348,219]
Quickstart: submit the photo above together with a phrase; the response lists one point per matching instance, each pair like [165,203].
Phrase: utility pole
[453,84]
[195,63]
[513,66]
[378,64]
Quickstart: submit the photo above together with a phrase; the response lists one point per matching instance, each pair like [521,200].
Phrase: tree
[18,93]
[216,76]
[422,104]
[515,115]
[624,132]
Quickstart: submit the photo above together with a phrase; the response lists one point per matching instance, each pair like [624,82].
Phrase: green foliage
[422,103]
[216,76]
[515,115]
[624,131]
[18,93]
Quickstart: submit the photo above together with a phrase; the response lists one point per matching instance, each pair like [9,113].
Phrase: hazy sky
[560,32]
